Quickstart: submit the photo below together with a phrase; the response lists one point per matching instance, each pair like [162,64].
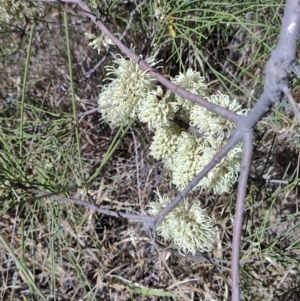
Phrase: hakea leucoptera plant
[133,93]
[188,227]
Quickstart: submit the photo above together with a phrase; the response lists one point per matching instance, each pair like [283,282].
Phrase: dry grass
[71,253]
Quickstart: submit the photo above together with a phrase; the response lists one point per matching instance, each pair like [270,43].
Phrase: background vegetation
[52,250]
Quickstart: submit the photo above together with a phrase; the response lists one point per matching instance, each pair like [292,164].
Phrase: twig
[291,100]
[267,181]
[137,171]
[131,19]
[82,115]
[143,218]
[239,212]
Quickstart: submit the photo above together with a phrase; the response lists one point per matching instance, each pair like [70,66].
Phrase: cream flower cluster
[212,124]
[133,93]
[157,109]
[128,87]
[99,42]
[187,226]
[193,82]
[11,10]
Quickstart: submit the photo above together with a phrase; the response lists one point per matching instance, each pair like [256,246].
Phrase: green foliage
[227,40]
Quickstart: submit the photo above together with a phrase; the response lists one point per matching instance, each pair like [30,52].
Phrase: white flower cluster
[157,109]
[97,43]
[186,154]
[128,87]
[133,93]
[11,10]
[214,125]
[189,228]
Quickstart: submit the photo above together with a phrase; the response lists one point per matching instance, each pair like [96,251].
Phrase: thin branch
[267,181]
[142,218]
[292,102]
[130,21]
[239,213]
[84,114]
[137,171]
